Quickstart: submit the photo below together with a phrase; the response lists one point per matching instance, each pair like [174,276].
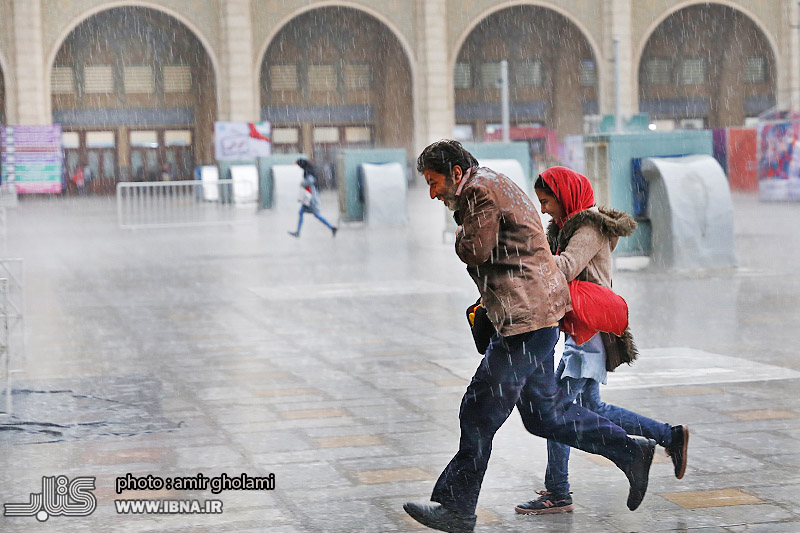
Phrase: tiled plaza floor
[338,365]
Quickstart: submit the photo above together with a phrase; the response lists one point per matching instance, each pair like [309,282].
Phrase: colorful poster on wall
[779,160]
[32,158]
[242,140]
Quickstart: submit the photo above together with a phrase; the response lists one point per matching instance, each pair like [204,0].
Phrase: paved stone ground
[338,365]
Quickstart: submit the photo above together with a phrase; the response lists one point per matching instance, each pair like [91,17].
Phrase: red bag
[594,308]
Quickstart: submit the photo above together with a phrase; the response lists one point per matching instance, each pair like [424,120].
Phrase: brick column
[618,19]
[239,101]
[29,70]
[434,99]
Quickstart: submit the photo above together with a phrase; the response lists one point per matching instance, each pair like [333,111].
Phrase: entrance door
[329,139]
[144,164]
[178,154]
[161,154]
[326,141]
[101,158]
[71,141]
[144,155]
[102,163]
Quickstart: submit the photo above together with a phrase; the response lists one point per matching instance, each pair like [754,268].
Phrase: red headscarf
[572,190]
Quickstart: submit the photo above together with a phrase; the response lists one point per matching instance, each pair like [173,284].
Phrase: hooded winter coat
[583,242]
[504,247]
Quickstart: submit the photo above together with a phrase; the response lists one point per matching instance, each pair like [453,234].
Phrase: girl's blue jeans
[587,393]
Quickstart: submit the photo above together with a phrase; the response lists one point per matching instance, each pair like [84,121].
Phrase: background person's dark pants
[518,371]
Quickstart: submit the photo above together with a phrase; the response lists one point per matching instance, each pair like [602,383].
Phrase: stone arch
[137,94]
[767,44]
[377,108]
[689,3]
[407,48]
[532,98]
[532,3]
[89,13]
[639,51]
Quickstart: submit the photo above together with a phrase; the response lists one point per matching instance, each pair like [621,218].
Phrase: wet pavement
[338,366]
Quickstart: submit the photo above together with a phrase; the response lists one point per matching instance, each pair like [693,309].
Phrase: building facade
[138,85]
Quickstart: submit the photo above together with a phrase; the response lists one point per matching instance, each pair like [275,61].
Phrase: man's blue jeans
[587,393]
[518,370]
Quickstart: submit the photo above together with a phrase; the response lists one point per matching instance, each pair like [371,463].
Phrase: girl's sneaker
[546,503]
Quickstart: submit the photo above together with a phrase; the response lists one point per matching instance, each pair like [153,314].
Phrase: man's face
[444,188]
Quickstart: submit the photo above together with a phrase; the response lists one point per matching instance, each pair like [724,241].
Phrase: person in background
[88,176]
[79,178]
[309,197]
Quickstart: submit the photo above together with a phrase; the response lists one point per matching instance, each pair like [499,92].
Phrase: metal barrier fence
[5,352]
[162,204]
[12,325]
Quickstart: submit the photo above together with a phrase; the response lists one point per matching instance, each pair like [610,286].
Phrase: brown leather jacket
[507,255]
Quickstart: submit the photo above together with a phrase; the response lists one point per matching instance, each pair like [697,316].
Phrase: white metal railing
[161,204]
[12,324]
[8,195]
[5,356]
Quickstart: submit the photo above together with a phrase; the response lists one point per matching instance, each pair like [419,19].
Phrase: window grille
[693,71]
[326,135]
[529,73]
[490,74]
[285,136]
[358,76]
[588,73]
[755,69]
[462,78]
[358,134]
[283,77]
[322,77]
[98,79]
[657,71]
[61,80]
[177,79]
[139,79]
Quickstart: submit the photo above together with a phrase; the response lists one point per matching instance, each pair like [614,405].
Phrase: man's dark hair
[443,155]
[540,184]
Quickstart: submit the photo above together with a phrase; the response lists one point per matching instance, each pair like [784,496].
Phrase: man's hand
[480,325]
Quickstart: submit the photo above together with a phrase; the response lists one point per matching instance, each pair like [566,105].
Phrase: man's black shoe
[677,450]
[639,470]
[438,517]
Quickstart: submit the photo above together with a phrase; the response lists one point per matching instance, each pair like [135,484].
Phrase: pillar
[618,19]
[434,99]
[29,68]
[239,98]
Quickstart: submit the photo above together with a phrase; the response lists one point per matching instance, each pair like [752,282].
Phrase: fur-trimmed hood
[610,222]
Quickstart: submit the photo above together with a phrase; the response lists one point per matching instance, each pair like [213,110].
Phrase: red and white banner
[242,140]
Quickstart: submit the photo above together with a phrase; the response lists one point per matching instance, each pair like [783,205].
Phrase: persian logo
[59,497]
